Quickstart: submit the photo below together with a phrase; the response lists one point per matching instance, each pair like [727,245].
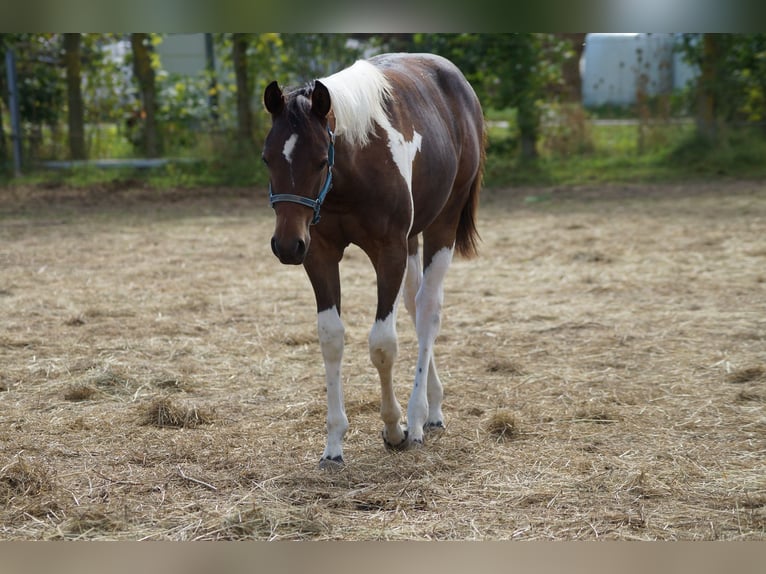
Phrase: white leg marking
[435,392]
[289,148]
[435,396]
[331,332]
[412,283]
[383,350]
[428,304]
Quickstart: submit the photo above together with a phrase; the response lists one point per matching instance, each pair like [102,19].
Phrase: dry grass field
[604,361]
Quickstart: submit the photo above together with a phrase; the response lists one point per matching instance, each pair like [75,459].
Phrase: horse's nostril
[300,248]
[274,248]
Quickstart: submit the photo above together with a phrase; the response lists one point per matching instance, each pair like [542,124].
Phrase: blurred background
[562,108]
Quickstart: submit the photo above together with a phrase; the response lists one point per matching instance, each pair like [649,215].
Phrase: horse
[376,155]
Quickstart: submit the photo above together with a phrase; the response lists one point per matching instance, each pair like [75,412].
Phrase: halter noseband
[314,204]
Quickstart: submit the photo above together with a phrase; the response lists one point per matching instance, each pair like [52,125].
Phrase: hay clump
[162,413]
[90,522]
[505,367]
[170,384]
[109,381]
[644,486]
[747,375]
[75,321]
[595,415]
[80,392]
[109,378]
[271,523]
[503,425]
[746,396]
[23,478]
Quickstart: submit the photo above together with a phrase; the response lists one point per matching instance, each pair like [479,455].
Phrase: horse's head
[299,154]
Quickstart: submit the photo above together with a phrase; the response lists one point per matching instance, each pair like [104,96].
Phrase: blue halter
[314,204]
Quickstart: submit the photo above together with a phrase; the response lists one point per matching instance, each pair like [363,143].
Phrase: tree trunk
[142,68]
[244,113]
[571,67]
[706,90]
[529,127]
[212,99]
[74,96]
[3,145]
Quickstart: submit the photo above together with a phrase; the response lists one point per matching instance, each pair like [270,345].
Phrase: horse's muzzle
[289,252]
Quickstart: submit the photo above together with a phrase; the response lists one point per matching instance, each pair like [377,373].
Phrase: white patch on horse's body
[427,387]
[403,152]
[289,148]
[331,332]
[358,96]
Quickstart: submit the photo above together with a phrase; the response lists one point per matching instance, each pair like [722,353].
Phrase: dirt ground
[603,359]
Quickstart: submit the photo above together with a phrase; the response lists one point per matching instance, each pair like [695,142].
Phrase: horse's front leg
[325,279]
[383,342]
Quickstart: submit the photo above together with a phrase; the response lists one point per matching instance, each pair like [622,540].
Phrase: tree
[144,73]
[506,70]
[72,63]
[39,83]
[239,46]
[3,96]
[707,88]
[731,86]
[317,55]
[571,66]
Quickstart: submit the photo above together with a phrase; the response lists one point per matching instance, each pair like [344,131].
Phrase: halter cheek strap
[314,204]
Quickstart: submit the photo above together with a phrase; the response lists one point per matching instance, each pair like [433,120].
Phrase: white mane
[358,95]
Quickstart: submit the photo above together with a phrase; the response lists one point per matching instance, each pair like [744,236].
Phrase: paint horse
[376,155]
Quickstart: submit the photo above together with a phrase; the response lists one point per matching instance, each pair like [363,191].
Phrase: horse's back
[429,72]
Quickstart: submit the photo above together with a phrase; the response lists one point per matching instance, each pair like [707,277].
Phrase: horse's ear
[320,100]
[273,98]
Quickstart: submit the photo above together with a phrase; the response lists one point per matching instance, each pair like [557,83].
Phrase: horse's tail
[467,238]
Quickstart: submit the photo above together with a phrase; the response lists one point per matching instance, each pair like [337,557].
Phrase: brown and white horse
[376,155]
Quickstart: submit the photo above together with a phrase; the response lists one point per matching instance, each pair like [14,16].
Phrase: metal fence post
[13,97]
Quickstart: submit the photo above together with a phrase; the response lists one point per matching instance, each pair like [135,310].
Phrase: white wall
[183,53]
[613,63]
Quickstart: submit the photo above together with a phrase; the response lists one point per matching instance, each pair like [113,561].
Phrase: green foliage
[737,152]
[40,80]
[183,112]
[507,71]
[38,73]
[307,56]
[677,153]
[517,77]
[739,86]
[263,56]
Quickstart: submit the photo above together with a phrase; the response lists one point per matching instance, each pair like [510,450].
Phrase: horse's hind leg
[412,282]
[414,276]
[427,388]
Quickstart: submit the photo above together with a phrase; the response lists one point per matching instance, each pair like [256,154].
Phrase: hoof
[334,463]
[437,426]
[401,446]
[416,443]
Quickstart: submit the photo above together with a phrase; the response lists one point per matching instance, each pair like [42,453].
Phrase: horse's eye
[323,164]
[263,159]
